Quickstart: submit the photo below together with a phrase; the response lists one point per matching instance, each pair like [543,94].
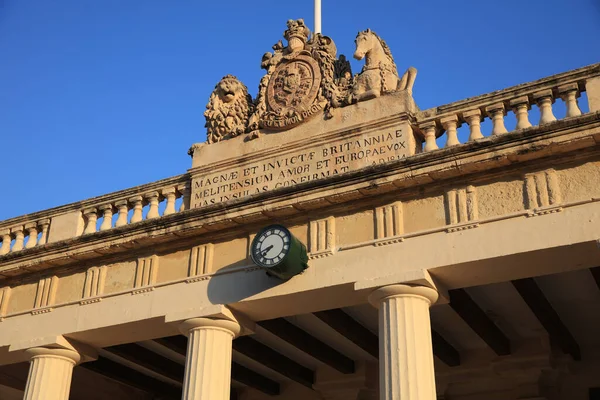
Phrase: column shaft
[406,369]
[208,360]
[50,373]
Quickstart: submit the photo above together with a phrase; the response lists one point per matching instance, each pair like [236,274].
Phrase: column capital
[169,190]
[135,199]
[543,94]
[104,207]
[448,119]
[569,87]
[40,352]
[521,100]
[385,292]
[492,108]
[191,324]
[44,222]
[472,114]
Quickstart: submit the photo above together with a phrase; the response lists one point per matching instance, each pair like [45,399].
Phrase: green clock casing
[279,252]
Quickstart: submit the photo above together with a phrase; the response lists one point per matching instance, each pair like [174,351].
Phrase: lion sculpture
[228,109]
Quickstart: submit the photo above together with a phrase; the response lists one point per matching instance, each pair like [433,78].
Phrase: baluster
[19,238]
[569,94]
[428,130]
[107,213]
[450,124]
[496,112]
[138,206]
[31,229]
[122,210]
[152,199]
[520,107]
[44,224]
[185,193]
[91,218]
[544,100]
[6,239]
[170,195]
[473,118]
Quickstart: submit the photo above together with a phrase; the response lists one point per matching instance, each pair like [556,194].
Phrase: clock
[279,252]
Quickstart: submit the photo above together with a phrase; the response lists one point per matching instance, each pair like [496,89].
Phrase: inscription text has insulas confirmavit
[314,164]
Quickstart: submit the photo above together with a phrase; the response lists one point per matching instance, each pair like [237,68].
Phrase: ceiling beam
[596,274]
[477,319]
[238,373]
[368,341]
[548,317]
[246,376]
[272,359]
[131,377]
[148,359]
[14,375]
[176,343]
[444,350]
[348,327]
[308,344]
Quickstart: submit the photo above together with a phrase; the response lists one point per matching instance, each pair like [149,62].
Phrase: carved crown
[296,29]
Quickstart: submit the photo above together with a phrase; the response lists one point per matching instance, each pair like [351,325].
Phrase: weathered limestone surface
[405,351]
[208,360]
[237,168]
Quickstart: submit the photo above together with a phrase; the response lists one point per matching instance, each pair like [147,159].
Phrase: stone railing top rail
[174,181]
[553,83]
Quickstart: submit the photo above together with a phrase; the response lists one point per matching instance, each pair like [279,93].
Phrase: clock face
[270,246]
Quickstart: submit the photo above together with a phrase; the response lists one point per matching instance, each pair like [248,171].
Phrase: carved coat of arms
[304,78]
[292,89]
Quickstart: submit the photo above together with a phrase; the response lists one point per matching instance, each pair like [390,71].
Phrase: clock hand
[265,251]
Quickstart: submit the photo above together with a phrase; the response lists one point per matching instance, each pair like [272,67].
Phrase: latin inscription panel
[310,164]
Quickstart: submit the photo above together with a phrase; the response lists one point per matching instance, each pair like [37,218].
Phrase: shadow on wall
[222,289]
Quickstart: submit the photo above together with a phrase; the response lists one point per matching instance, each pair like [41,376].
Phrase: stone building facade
[437,266]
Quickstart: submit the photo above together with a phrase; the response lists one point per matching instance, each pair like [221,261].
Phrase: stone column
[50,373]
[405,350]
[208,359]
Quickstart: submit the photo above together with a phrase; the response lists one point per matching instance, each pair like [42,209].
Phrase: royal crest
[304,79]
[291,91]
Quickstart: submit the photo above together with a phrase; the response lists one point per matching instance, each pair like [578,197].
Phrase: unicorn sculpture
[379,74]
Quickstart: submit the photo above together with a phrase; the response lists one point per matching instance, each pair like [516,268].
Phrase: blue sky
[100,95]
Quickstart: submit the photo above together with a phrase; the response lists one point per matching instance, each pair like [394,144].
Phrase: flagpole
[317,16]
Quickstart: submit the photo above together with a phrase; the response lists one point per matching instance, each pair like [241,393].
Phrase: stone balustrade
[566,87]
[110,211]
[23,236]
[130,210]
